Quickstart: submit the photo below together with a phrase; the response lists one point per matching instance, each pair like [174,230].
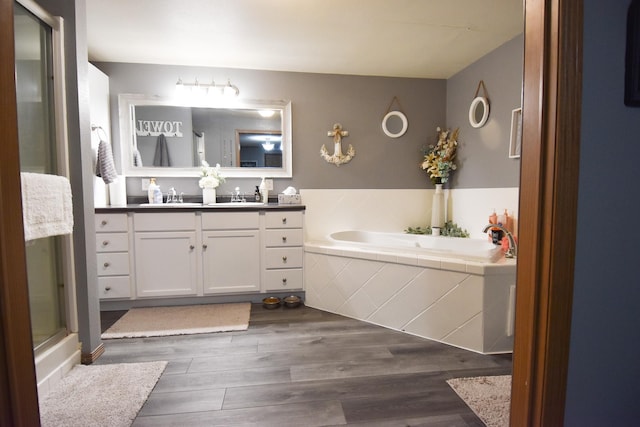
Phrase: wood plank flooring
[303,367]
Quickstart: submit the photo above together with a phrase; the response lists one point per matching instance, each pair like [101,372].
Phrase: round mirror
[392,127]
[479,112]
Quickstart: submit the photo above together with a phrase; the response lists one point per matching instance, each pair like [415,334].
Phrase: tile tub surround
[393,210]
[465,304]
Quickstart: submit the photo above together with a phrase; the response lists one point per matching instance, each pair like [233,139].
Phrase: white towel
[137,158]
[105,166]
[47,209]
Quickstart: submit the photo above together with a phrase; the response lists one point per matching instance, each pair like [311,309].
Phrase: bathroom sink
[237,204]
[170,205]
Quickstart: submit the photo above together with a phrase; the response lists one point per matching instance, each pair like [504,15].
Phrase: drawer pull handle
[284,281]
[104,222]
[284,259]
[192,247]
[107,289]
[284,239]
[284,220]
[204,246]
[105,243]
[106,264]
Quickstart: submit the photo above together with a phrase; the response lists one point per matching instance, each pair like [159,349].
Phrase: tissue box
[288,199]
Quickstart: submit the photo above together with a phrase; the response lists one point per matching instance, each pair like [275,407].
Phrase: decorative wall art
[515,144]
[392,115]
[337,158]
[479,109]
[632,63]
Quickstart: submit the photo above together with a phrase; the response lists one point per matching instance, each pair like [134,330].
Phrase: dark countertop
[192,207]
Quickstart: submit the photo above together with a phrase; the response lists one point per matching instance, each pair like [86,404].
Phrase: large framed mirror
[170,137]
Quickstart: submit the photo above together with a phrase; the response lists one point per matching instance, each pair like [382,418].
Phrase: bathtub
[450,247]
[453,290]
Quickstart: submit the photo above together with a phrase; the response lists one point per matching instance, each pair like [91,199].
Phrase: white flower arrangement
[211,176]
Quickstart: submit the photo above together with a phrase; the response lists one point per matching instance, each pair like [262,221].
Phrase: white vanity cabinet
[166,254]
[112,249]
[231,252]
[283,250]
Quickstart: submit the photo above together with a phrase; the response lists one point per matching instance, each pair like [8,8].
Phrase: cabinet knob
[192,247]
[104,222]
[284,220]
[106,264]
[284,239]
[284,281]
[107,289]
[204,246]
[284,259]
[105,243]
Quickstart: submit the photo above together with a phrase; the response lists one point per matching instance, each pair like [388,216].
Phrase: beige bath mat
[488,397]
[180,320]
[103,395]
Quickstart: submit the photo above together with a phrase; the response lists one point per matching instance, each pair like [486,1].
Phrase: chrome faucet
[513,247]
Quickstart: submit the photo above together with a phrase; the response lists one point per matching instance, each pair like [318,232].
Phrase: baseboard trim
[89,358]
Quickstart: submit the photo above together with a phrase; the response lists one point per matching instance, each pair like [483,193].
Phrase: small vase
[437,211]
[208,196]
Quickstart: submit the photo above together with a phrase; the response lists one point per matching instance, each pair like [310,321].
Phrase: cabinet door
[166,263]
[231,261]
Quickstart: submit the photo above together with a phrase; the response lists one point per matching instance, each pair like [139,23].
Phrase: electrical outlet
[269,183]
[145,184]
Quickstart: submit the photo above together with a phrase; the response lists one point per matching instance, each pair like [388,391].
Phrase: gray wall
[483,153]
[604,374]
[359,103]
[319,101]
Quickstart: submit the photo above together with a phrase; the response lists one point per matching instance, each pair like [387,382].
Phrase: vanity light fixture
[213,89]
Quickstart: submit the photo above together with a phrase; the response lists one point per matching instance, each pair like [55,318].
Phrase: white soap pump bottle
[152,189]
[264,192]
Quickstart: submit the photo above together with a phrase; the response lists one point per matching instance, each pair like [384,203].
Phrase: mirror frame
[405,124]
[477,101]
[127,101]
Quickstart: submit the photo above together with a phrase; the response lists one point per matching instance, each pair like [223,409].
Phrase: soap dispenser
[157,195]
[257,194]
[151,190]
[264,192]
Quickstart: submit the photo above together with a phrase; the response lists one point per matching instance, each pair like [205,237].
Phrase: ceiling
[398,38]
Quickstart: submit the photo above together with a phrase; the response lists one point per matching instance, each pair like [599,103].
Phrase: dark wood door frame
[552,96]
[18,392]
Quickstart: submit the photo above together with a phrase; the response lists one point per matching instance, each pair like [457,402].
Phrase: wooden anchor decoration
[337,158]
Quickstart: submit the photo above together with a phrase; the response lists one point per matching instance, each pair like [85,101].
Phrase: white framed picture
[515,144]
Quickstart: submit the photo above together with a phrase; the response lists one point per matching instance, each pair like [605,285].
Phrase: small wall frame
[515,143]
[632,59]
[395,115]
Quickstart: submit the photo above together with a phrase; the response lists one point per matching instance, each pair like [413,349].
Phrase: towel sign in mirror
[157,127]
[168,137]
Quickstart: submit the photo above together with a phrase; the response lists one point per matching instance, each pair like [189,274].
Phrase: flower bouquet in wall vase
[439,161]
[210,180]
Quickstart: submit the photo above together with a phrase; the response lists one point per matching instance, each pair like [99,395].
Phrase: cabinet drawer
[111,222]
[113,264]
[112,242]
[283,237]
[165,221]
[280,280]
[230,220]
[114,287]
[283,219]
[283,258]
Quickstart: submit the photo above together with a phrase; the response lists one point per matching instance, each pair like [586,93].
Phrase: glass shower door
[36,132]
